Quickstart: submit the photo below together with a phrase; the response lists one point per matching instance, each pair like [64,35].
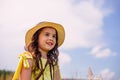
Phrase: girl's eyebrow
[47,32]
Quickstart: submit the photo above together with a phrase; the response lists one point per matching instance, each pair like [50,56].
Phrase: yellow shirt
[46,73]
[23,61]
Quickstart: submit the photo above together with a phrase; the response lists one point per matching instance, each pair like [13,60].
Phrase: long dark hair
[52,55]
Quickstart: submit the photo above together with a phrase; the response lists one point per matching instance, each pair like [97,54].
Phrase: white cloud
[64,59]
[84,28]
[101,51]
[107,74]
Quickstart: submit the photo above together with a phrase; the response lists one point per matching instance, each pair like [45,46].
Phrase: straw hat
[58,27]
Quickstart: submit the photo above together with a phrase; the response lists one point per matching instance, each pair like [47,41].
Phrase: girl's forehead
[49,29]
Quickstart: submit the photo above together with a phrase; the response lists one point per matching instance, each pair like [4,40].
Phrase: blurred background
[92,43]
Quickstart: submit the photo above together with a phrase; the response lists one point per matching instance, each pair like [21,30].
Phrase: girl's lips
[50,43]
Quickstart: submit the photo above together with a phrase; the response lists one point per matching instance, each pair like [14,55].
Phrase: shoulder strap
[42,71]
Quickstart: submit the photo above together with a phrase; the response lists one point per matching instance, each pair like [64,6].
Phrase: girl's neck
[43,54]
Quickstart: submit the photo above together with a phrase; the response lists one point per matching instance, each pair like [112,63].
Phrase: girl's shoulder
[26,54]
[26,59]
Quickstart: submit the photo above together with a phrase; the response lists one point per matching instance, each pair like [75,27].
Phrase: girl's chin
[48,49]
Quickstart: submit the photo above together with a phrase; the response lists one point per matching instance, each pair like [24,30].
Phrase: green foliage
[4,74]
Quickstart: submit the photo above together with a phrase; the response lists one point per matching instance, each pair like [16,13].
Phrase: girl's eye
[54,36]
[47,34]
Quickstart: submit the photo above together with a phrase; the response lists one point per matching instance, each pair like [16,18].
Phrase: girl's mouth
[50,43]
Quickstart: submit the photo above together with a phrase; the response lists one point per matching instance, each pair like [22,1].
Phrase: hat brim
[58,27]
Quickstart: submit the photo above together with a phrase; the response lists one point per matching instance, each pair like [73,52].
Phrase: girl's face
[47,39]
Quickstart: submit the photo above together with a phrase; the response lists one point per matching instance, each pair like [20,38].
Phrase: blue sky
[92,34]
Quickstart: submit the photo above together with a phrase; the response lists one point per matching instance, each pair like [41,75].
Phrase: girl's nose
[50,38]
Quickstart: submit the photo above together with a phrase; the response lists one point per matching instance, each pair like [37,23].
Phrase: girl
[40,61]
